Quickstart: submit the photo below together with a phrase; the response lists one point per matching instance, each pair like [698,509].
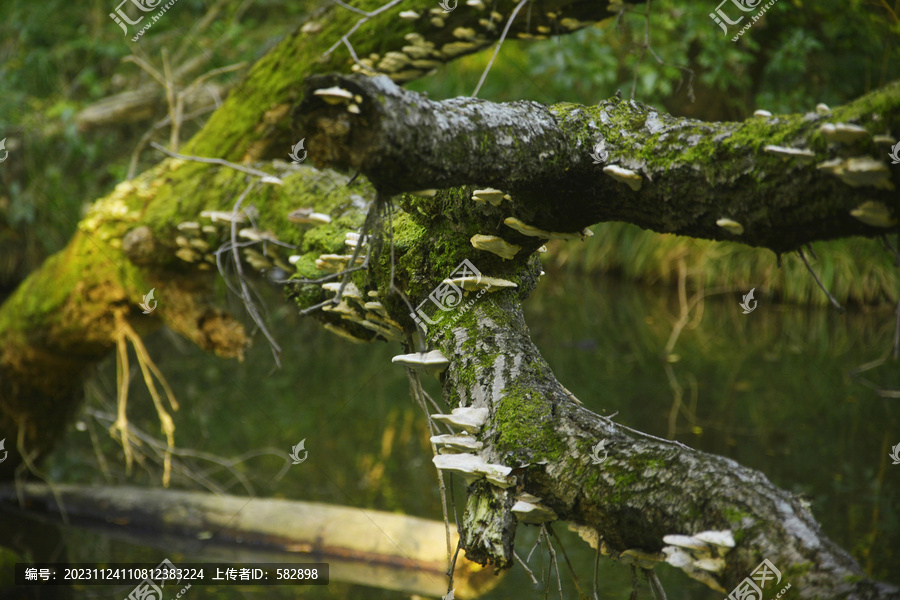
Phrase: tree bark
[699,179]
[688,174]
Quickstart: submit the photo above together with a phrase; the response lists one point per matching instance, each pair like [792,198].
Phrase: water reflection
[770,389]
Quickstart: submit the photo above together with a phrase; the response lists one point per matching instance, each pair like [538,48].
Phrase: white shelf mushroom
[433,362]
[686,541]
[639,558]
[465,418]
[490,195]
[723,539]
[334,95]
[308,216]
[859,171]
[472,467]
[474,283]
[532,231]
[843,132]
[533,512]
[495,244]
[806,156]
[457,443]
[223,216]
[626,176]
[340,331]
[874,213]
[730,226]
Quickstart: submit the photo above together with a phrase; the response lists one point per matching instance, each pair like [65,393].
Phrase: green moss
[524,421]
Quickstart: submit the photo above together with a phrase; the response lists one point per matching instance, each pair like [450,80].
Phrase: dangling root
[148,368]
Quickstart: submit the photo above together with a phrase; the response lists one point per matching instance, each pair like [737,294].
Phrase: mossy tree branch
[60,320]
[676,175]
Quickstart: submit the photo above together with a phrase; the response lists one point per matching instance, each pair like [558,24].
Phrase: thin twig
[833,300]
[562,549]
[367,15]
[212,161]
[655,585]
[527,570]
[497,49]
[245,292]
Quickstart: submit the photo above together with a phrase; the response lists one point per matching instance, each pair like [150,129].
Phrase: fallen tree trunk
[66,316]
[777,182]
[366,547]
[534,439]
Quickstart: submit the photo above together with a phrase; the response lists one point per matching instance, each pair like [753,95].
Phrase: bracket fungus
[874,213]
[350,290]
[340,331]
[491,195]
[474,283]
[730,226]
[496,245]
[822,109]
[532,231]
[409,14]
[700,554]
[533,512]
[334,95]
[762,113]
[472,467]
[806,156]
[639,558]
[843,132]
[465,418]
[433,362]
[308,216]
[224,216]
[859,171]
[455,444]
[627,176]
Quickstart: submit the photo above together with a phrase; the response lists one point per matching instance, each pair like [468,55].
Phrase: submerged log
[366,547]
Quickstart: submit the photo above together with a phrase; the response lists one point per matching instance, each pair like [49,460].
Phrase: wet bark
[645,489]
[63,318]
[682,175]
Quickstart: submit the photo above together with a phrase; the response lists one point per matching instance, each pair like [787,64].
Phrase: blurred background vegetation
[61,63]
[777,391]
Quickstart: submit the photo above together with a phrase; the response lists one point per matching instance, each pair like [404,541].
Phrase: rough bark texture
[690,173]
[50,335]
[63,318]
